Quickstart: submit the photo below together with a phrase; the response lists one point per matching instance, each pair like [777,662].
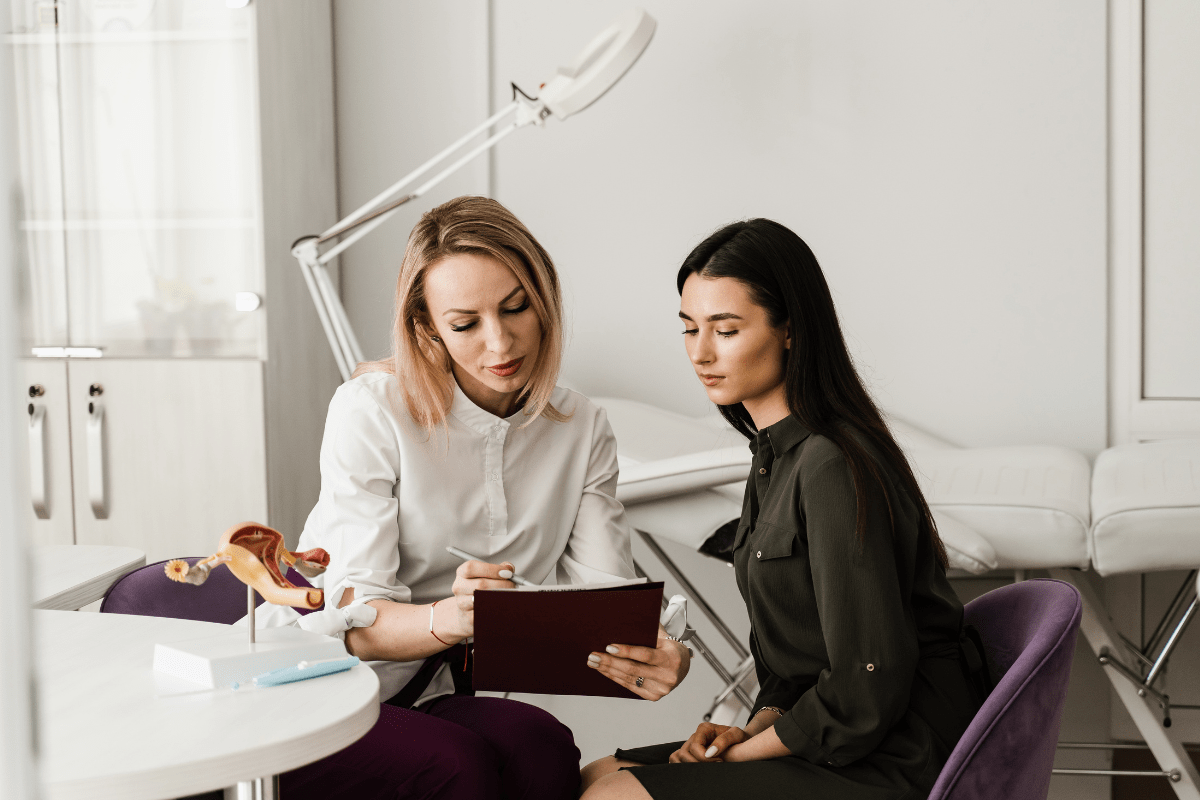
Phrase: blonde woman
[462,438]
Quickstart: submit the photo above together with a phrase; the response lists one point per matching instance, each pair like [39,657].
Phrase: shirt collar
[782,436]
[474,417]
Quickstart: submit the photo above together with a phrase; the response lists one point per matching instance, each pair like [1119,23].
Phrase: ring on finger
[640,680]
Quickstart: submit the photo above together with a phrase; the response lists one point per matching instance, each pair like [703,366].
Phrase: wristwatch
[776,709]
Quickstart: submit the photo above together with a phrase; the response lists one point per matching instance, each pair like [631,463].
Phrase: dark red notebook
[539,641]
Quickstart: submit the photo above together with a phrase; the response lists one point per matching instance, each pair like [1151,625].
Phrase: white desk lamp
[575,87]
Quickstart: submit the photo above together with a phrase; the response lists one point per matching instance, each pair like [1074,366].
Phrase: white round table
[110,727]
[69,576]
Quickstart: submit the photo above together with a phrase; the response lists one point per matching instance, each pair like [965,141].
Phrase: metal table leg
[257,789]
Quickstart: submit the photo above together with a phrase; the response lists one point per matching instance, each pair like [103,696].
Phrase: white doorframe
[1132,417]
[17,767]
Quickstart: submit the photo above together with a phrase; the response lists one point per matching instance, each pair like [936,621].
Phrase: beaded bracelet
[440,639]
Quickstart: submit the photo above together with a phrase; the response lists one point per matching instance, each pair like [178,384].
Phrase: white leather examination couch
[1136,509]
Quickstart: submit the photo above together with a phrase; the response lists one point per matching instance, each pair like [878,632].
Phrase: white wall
[409,79]
[946,162]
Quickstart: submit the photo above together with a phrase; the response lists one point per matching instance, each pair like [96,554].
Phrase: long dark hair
[823,389]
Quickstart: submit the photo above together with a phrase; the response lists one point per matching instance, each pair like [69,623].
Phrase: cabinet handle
[95,437]
[37,461]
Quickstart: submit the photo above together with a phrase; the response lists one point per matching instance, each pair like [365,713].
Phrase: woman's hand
[454,618]
[472,575]
[707,744]
[661,668]
[401,630]
[722,748]
[748,746]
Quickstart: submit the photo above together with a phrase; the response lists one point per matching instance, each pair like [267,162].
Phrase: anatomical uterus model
[256,555]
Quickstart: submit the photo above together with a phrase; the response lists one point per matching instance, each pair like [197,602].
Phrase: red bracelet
[440,639]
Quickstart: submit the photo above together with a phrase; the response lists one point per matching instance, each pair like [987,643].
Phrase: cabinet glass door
[159,187]
[41,257]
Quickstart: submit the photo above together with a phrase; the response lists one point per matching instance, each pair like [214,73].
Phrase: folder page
[538,641]
[582,587]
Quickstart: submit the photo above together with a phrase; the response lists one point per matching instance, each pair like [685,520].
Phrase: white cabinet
[161,455]
[171,151]
[139,164]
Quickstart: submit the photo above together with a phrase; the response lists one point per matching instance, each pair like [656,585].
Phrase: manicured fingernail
[710,752]
[593,660]
[612,649]
[506,573]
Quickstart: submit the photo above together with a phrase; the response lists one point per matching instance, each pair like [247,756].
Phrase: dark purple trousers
[451,748]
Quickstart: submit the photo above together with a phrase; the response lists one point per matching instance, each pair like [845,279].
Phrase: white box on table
[228,658]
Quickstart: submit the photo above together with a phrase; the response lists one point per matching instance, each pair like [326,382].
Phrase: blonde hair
[422,366]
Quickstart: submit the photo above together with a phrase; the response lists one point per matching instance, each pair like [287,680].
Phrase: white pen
[310,664]
[511,576]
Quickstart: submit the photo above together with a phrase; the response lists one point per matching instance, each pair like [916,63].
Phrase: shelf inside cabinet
[124,37]
[158,224]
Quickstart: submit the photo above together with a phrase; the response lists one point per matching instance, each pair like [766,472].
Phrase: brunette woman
[866,678]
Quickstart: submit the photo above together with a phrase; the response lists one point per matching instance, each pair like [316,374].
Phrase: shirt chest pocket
[772,541]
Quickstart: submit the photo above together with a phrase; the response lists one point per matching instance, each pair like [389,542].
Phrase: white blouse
[393,496]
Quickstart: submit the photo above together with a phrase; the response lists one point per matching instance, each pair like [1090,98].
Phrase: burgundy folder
[538,642]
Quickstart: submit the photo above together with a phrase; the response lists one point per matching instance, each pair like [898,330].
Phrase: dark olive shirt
[839,623]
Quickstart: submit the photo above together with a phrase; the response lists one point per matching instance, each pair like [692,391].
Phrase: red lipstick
[506,369]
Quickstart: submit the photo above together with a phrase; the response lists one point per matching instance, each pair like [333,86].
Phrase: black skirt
[904,766]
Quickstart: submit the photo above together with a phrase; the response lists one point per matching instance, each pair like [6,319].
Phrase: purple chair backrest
[1029,631]
[148,592]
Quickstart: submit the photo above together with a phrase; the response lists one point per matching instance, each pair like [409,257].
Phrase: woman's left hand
[708,744]
[661,668]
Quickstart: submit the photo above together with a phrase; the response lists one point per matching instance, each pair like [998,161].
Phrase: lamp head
[599,65]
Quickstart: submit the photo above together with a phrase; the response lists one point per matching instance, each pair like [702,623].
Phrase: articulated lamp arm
[573,88]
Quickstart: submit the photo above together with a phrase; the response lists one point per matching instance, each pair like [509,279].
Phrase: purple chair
[1028,630]
[148,592]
